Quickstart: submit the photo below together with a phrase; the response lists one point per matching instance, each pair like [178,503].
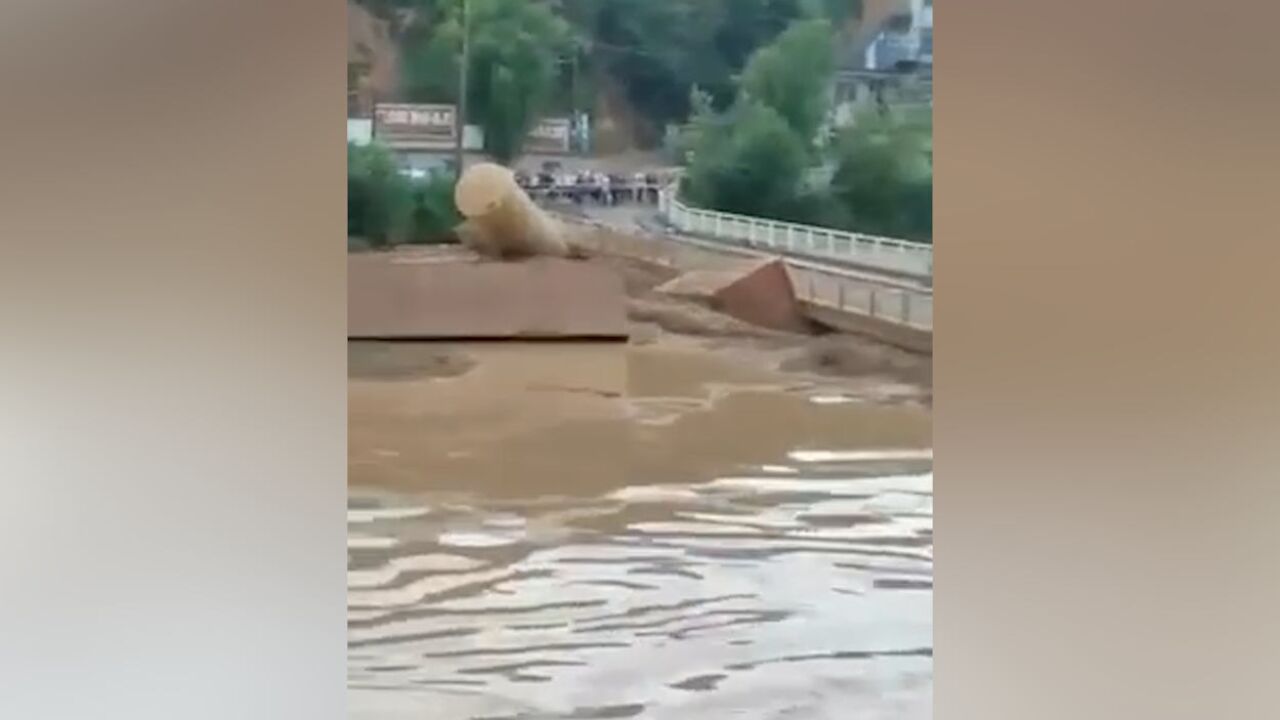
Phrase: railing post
[793,238]
[873,302]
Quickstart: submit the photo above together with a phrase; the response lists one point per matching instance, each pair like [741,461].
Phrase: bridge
[869,285]
[884,256]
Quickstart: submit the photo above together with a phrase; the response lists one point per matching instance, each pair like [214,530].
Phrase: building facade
[904,38]
[889,65]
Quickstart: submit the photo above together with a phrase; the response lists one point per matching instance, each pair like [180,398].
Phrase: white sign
[550,135]
[359,131]
[401,121]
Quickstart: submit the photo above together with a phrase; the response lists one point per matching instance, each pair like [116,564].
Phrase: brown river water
[551,531]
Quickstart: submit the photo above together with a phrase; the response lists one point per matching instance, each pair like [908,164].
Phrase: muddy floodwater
[609,531]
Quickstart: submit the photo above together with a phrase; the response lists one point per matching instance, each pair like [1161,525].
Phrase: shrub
[385,208]
[434,213]
[884,178]
[750,163]
[379,198]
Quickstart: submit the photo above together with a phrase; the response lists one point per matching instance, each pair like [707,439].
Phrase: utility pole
[575,123]
[460,111]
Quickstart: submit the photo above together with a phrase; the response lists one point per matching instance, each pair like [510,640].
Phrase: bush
[884,177]
[379,198]
[791,76]
[434,214]
[514,71]
[749,162]
[384,208]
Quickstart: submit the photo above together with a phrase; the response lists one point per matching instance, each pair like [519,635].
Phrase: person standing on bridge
[606,192]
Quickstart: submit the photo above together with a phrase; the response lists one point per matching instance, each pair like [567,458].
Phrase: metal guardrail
[815,283]
[831,288]
[899,256]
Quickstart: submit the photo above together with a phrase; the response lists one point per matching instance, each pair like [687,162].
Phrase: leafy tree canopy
[516,48]
[792,75]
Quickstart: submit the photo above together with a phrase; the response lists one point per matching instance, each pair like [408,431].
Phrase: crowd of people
[592,186]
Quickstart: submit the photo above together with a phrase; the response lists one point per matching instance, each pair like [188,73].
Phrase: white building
[889,65]
[922,30]
[905,37]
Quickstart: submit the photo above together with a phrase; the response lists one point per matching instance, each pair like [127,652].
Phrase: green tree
[385,208]
[434,214]
[651,51]
[657,51]
[748,161]
[379,198]
[429,52]
[839,12]
[792,75]
[515,50]
[884,175]
[702,119]
[756,158]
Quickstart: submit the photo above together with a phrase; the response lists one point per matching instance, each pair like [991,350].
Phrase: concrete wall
[764,297]
[664,251]
[901,336]
[427,296]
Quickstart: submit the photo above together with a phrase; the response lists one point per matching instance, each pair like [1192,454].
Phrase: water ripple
[658,601]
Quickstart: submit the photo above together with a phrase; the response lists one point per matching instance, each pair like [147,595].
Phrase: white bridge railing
[889,254]
[816,282]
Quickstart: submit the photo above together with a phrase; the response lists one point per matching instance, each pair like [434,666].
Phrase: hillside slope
[372,61]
